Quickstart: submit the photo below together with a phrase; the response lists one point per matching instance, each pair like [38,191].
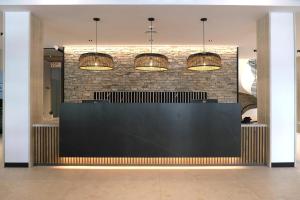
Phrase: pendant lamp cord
[96,36]
[151,36]
[203,37]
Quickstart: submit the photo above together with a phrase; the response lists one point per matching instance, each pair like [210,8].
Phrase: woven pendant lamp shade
[151,62]
[204,61]
[95,61]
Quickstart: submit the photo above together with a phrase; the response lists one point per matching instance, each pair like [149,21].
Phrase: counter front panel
[150,130]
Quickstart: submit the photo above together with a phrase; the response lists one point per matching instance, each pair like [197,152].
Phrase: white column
[277,84]
[298,99]
[22,39]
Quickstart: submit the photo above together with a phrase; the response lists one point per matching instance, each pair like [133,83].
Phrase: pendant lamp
[204,61]
[151,61]
[95,61]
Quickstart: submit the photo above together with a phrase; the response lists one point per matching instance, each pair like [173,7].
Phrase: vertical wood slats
[253,151]
[150,97]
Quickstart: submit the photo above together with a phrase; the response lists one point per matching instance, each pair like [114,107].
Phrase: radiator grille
[150,97]
[253,151]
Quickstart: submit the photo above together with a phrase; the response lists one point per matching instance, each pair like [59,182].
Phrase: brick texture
[220,84]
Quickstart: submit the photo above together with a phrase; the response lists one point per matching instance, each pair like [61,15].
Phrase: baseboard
[16,164]
[283,164]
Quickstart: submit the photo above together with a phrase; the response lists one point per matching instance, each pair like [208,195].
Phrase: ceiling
[176,25]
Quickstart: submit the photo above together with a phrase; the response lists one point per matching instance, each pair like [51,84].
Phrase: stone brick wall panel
[221,84]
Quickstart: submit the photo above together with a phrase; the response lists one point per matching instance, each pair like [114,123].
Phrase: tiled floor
[135,184]
[1,150]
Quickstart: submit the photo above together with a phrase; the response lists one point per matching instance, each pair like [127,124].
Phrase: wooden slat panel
[253,151]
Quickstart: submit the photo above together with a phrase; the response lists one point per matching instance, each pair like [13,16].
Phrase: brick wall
[80,84]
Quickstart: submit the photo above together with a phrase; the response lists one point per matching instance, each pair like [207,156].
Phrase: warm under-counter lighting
[204,61]
[151,61]
[153,167]
[96,61]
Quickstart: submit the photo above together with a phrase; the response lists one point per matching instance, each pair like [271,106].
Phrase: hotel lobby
[154,100]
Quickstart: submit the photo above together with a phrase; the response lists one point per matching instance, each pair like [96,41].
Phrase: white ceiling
[176,25]
[153,2]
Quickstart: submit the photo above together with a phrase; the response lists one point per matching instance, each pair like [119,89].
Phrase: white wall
[1,73]
[276,83]
[22,75]
[1,56]
[246,77]
[282,87]
[298,96]
[16,87]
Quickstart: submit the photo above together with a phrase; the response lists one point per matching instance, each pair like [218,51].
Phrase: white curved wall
[251,113]
[246,77]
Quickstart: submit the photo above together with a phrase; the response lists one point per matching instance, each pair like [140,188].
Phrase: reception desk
[252,144]
[150,130]
[254,141]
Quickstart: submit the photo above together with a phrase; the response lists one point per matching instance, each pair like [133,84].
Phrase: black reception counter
[150,130]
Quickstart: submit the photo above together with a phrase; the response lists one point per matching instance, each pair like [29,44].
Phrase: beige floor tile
[249,183]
